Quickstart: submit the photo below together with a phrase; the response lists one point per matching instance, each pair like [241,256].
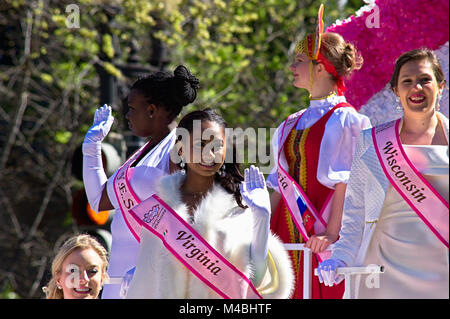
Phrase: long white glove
[94,176]
[255,195]
[327,271]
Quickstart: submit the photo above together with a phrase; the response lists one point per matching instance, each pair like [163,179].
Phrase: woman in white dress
[154,103]
[381,225]
[230,213]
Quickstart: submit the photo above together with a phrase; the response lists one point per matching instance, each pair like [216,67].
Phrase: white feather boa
[226,227]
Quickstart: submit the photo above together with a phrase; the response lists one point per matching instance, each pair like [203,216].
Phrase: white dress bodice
[416,262]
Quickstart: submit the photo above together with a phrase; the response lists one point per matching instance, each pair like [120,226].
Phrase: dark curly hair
[233,177]
[172,92]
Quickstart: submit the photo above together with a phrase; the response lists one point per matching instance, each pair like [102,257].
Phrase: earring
[438,101]
[221,171]
[398,107]
[182,165]
[59,287]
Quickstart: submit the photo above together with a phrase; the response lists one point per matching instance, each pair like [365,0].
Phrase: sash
[192,250]
[295,198]
[125,195]
[420,195]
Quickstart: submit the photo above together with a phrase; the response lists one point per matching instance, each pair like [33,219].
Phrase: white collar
[327,102]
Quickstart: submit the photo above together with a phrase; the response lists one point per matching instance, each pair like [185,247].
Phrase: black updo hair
[172,92]
[233,176]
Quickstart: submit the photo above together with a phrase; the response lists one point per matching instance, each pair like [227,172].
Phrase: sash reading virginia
[192,250]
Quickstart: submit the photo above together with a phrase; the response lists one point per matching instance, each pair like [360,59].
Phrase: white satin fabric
[416,262]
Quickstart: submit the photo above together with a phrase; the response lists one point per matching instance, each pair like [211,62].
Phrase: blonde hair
[343,55]
[83,241]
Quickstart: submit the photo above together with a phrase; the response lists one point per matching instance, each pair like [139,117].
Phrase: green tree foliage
[241,51]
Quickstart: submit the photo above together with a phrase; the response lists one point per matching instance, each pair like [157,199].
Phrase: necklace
[321,98]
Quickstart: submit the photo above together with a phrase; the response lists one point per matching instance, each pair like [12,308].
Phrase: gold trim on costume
[302,178]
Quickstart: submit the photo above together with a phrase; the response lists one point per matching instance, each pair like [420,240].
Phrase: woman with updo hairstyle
[78,269]
[154,102]
[313,151]
[342,55]
[229,211]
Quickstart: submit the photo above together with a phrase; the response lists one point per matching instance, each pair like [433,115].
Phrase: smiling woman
[78,269]
[399,179]
[208,236]
[418,81]
[203,150]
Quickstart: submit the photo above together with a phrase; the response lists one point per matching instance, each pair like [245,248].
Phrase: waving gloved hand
[103,121]
[254,192]
[327,271]
[94,176]
[255,195]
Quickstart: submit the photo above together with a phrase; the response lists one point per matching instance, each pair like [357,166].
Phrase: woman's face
[138,115]
[207,150]
[81,274]
[417,87]
[300,69]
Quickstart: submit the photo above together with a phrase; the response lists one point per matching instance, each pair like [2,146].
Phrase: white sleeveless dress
[416,262]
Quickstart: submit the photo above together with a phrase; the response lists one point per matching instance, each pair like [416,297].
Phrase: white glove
[94,176]
[103,121]
[255,195]
[254,192]
[327,271]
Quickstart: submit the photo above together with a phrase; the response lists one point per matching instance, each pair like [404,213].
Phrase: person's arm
[94,176]
[320,242]
[105,203]
[352,226]
[354,211]
[255,195]
[334,165]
